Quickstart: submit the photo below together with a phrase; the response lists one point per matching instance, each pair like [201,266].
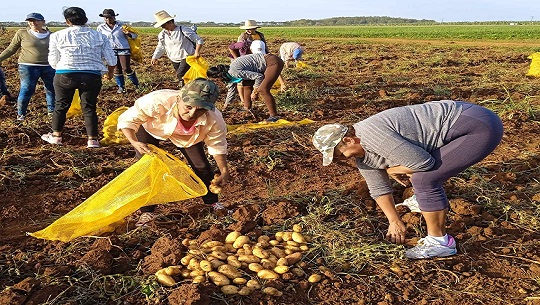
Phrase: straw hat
[162,17]
[250,25]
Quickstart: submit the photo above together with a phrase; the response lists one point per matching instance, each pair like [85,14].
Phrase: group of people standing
[422,145]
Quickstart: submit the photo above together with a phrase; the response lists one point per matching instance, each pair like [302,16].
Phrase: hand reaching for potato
[218,182]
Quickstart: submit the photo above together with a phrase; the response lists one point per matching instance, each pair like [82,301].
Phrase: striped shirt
[80,48]
[117,38]
[249,67]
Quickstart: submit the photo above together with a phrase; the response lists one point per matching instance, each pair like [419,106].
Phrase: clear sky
[282,10]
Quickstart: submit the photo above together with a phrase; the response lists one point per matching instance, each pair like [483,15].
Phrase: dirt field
[278,180]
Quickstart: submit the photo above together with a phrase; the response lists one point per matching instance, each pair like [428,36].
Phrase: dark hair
[219,71]
[75,15]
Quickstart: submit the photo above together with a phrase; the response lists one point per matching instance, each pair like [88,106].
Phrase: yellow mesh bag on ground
[75,108]
[534,68]
[241,128]
[198,68]
[301,65]
[154,179]
[111,134]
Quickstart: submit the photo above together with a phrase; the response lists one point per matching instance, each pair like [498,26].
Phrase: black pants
[196,158]
[181,69]
[89,86]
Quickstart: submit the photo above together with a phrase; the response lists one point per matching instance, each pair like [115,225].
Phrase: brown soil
[276,174]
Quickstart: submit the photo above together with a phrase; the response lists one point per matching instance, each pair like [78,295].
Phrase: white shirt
[178,43]
[80,48]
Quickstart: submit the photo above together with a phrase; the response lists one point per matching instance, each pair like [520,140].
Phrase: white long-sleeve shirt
[80,48]
[177,44]
[116,36]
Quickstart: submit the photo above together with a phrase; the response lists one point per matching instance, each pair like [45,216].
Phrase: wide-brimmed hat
[162,17]
[250,25]
[327,138]
[200,92]
[34,16]
[108,12]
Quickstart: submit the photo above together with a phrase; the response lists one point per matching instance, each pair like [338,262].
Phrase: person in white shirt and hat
[177,42]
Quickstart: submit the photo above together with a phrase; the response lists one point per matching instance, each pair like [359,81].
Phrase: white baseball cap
[327,138]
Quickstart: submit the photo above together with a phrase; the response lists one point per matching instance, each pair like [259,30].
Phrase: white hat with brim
[162,17]
[250,25]
[327,138]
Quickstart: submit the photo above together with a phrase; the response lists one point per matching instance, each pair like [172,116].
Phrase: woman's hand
[141,147]
[222,179]
[396,232]
[401,174]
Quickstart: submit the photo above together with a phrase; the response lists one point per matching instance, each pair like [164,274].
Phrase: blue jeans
[29,77]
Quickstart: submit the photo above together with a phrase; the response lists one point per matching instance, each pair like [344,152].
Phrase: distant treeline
[335,21]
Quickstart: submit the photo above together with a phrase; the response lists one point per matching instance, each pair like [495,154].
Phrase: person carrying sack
[177,42]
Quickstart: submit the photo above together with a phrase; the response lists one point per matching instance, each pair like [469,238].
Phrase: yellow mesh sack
[301,65]
[134,44]
[75,108]
[155,179]
[534,68]
[198,68]
[111,134]
[242,128]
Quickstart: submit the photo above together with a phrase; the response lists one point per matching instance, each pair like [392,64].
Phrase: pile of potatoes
[237,264]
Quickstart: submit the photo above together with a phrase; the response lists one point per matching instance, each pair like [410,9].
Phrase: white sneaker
[49,138]
[93,144]
[428,248]
[411,203]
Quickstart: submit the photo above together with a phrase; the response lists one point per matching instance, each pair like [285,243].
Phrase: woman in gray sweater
[425,144]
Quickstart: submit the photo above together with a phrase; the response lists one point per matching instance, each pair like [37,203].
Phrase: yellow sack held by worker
[75,108]
[111,134]
[534,68]
[155,179]
[134,44]
[198,68]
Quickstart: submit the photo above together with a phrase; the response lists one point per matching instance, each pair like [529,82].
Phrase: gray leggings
[474,135]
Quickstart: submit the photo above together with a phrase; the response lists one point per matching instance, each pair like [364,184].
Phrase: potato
[233,261]
[279,253]
[245,291]
[216,263]
[289,251]
[196,252]
[287,236]
[282,262]
[298,237]
[304,248]
[173,270]
[273,242]
[239,281]
[199,279]
[230,248]
[195,273]
[314,278]
[229,271]
[249,259]
[231,237]
[279,236]
[253,284]
[216,189]
[186,273]
[205,265]
[185,242]
[260,253]
[164,279]
[272,291]
[255,267]
[293,258]
[292,248]
[185,260]
[212,243]
[240,241]
[220,249]
[281,269]
[293,243]
[229,289]
[218,278]
[297,228]
[299,272]
[267,264]
[266,274]
[220,255]
[194,264]
[263,238]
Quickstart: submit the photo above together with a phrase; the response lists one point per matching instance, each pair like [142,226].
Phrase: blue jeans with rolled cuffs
[30,76]
[474,135]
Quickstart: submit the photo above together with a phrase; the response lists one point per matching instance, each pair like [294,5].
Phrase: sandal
[146,219]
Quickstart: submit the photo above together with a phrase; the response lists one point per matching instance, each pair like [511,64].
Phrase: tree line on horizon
[334,21]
